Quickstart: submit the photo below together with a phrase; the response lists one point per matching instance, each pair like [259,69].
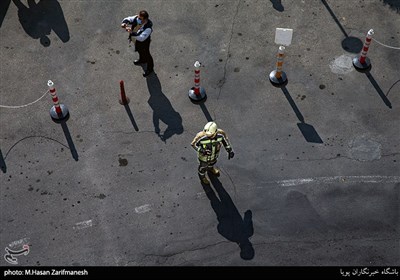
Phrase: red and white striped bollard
[362,62]
[197,93]
[59,111]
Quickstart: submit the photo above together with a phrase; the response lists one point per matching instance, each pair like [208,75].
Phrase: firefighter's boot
[204,180]
[214,171]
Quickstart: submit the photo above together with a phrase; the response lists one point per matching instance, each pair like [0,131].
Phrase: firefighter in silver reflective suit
[208,143]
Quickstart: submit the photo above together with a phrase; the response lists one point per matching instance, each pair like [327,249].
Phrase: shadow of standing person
[4,4]
[38,19]
[277,4]
[231,225]
[393,4]
[162,110]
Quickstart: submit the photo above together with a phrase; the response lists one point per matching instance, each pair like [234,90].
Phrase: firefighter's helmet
[210,129]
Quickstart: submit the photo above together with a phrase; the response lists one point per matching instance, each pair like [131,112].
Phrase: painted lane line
[322,180]
[84,224]
[295,182]
[143,209]
[338,179]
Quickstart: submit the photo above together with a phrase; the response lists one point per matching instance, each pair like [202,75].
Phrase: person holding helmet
[208,143]
[144,27]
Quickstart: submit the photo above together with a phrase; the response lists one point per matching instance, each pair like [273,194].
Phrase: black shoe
[148,72]
[137,62]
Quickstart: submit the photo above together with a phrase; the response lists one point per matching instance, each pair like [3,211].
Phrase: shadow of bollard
[69,140]
[3,165]
[293,104]
[206,112]
[350,44]
[129,112]
[378,89]
[309,133]
[123,100]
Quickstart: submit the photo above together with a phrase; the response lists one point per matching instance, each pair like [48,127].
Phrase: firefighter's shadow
[39,18]
[231,225]
[162,110]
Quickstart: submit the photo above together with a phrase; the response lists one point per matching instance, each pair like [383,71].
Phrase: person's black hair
[144,14]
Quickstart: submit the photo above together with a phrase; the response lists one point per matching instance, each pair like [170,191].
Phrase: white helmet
[210,129]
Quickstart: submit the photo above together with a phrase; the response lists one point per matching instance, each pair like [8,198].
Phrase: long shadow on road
[4,4]
[393,4]
[70,142]
[3,165]
[231,225]
[162,110]
[38,19]
[130,115]
[206,112]
[308,131]
[277,5]
[349,43]
[378,89]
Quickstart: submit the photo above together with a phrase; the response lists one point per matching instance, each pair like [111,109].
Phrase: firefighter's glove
[231,154]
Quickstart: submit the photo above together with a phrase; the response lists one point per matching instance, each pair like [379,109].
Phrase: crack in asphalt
[134,262]
[184,251]
[336,157]
[147,131]
[325,240]
[34,136]
[233,183]
[320,241]
[223,80]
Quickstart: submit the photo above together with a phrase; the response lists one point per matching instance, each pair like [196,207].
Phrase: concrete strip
[143,209]
[337,179]
[84,224]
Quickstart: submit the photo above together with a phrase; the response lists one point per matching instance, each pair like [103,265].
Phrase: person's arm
[143,36]
[227,144]
[196,142]
[129,20]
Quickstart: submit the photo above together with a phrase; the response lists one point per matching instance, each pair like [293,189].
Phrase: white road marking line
[84,224]
[322,180]
[294,182]
[200,195]
[338,179]
[143,209]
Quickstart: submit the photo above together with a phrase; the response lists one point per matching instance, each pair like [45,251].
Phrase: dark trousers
[145,56]
[204,167]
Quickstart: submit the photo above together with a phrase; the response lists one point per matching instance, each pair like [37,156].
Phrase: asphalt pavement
[315,180]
